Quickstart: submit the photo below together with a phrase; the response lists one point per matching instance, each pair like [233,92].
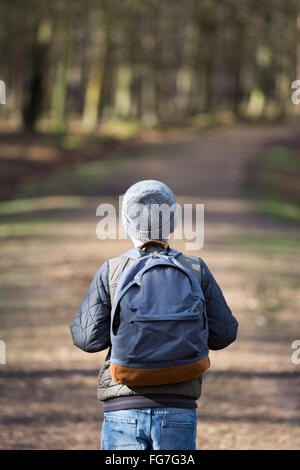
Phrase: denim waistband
[149,401]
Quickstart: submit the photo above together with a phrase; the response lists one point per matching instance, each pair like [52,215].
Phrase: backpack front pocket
[168,338]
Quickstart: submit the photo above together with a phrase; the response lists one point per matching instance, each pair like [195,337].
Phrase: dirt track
[251,393]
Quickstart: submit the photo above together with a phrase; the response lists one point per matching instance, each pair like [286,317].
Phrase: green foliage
[78,179]
[281,159]
[273,244]
[281,209]
[277,181]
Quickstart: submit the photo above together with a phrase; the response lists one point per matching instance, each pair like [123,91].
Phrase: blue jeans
[150,428]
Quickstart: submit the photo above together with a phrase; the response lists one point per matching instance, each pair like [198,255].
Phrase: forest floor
[50,252]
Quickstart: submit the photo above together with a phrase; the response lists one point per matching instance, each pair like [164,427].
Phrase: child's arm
[222,325]
[90,328]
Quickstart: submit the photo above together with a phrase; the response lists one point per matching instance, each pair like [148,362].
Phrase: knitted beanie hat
[149,211]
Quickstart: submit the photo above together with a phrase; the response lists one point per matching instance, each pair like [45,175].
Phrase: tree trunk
[58,102]
[95,80]
[34,87]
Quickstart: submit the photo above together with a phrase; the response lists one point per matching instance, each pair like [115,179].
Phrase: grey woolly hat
[149,211]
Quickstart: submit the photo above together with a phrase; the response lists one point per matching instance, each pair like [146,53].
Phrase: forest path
[251,393]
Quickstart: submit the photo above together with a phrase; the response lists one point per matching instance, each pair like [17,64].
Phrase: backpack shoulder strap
[116,266]
[192,263]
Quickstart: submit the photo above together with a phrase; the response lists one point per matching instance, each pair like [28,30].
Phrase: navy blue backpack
[159,329]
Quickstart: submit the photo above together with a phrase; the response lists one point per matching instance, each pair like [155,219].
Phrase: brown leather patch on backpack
[166,375]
